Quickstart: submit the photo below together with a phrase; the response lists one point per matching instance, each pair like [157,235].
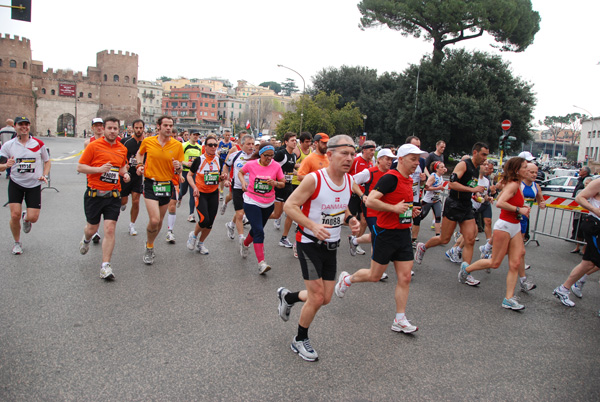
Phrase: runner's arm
[588,192]
[296,200]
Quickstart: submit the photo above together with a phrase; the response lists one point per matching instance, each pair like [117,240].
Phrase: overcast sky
[239,39]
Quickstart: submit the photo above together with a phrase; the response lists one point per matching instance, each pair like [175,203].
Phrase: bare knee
[318,299]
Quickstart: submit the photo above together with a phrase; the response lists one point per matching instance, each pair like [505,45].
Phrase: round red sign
[506,124]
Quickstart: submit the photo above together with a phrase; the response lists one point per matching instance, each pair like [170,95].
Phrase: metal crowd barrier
[557,219]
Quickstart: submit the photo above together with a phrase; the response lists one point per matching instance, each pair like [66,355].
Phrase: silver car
[562,183]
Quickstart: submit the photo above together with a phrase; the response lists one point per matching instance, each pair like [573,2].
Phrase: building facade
[589,145]
[193,107]
[150,94]
[64,101]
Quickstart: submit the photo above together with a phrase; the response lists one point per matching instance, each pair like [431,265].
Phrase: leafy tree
[275,86]
[164,78]
[322,115]
[512,23]
[556,124]
[289,87]
[462,101]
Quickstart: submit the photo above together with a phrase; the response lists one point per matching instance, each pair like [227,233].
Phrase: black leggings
[208,204]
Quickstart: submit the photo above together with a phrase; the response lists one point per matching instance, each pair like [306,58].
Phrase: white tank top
[436,195]
[596,204]
[327,205]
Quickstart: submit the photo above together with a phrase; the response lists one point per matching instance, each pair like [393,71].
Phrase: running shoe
[432,227]
[360,251]
[458,256]
[277,223]
[245,220]
[149,256]
[527,266]
[512,303]
[83,246]
[341,287]
[263,267]
[230,230]
[352,246]
[527,286]
[577,288]
[223,208]
[243,249]
[304,350]
[420,253]
[191,243]
[106,272]
[170,237]
[449,255]
[191,218]
[483,253]
[132,231]
[221,196]
[414,245]
[201,248]
[284,308]
[472,281]
[26,224]
[563,297]
[123,207]
[284,242]
[404,326]
[462,273]
[17,249]
[456,235]
[384,276]
[96,238]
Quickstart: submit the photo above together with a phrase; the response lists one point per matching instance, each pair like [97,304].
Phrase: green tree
[462,101]
[164,78]
[322,115]
[556,124]
[289,87]
[275,86]
[512,23]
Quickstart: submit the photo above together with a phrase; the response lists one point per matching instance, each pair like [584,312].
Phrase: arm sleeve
[386,184]
[195,165]
[362,177]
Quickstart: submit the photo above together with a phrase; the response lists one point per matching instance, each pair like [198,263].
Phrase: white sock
[400,317]
[241,236]
[131,224]
[105,264]
[583,278]
[347,280]
[355,241]
[459,249]
[523,279]
[171,221]
[488,246]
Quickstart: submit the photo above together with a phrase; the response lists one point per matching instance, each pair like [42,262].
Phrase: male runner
[191,150]
[97,133]
[164,155]
[458,208]
[224,147]
[103,161]
[30,165]
[317,159]
[135,185]
[392,196]
[319,222]
[435,156]
[287,160]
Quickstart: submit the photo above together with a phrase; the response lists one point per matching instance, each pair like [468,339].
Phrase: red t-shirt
[395,188]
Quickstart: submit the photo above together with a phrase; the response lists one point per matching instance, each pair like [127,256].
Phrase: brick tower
[16,92]
[118,85]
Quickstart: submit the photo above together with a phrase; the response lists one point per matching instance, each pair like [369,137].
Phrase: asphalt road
[195,327]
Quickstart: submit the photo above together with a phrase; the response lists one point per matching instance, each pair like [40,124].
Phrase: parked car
[562,183]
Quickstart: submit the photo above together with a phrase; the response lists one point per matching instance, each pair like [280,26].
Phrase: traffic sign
[506,125]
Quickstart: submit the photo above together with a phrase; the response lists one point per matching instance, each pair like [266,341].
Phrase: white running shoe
[277,223]
[201,248]
[341,287]
[223,208]
[106,272]
[304,350]
[83,246]
[404,326]
[17,249]
[26,224]
[284,308]
[132,231]
[420,253]
[191,218]
[230,230]
[191,243]
[384,276]
[170,237]
[285,243]
[243,249]
[263,267]
[360,251]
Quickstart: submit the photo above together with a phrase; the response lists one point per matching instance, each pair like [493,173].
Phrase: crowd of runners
[315,185]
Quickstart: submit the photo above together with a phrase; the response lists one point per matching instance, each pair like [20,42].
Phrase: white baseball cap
[407,149]
[386,152]
[527,156]
[97,120]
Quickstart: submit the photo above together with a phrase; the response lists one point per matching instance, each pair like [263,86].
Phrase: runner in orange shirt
[103,160]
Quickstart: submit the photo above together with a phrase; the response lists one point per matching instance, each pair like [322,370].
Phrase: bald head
[10,122]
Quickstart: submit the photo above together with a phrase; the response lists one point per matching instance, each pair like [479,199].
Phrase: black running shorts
[391,245]
[316,261]
[458,211]
[96,207]
[32,196]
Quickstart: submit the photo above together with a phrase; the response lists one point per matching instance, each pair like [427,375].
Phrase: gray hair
[587,170]
[587,180]
[336,139]
[246,138]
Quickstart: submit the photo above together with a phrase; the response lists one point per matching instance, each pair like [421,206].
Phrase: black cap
[21,119]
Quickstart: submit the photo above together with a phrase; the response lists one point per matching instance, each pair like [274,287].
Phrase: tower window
[116,78]
[44,91]
[105,77]
[24,65]
[126,79]
[90,95]
[13,64]
[53,92]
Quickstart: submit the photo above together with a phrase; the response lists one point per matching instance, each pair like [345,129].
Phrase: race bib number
[406,217]
[415,188]
[112,176]
[132,161]
[472,183]
[334,220]
[161,188]
[211,178]
[262,187]
[25,165]
[288,178]
[436,197]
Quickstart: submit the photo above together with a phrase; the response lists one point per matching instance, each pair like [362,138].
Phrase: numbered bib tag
[161,188]
[436,197]
[529,202]
[472,183]
[112,176]
[262,187]
[406,217]
[25,165]
[211,178]
[288,178]
[132,161]
[335,220]
[415,188]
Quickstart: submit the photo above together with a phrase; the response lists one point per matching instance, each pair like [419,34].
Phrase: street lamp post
[590,143]
[364,124]
[302,99]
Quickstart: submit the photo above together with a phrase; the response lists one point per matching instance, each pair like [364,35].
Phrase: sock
[105,263]
[292,298]
[283,237]
[347,280]
[459,249]
[259,250]
[563,289]
[171,220]
[414,239]
[583,278]
[400,317]
[248,240]
[302,333]
[354,240]
[523,279]
[241,236]
[148,245]
[131,224]
[488,246]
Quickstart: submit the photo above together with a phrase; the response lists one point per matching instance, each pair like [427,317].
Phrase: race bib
[288,178]
[161,188]
[262,187]
[112,176]
[436,197]
[132,161]
[335,220]
[406,217]
[530,201]
[415,188]
[25,165]
[211,178]
[472,183]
